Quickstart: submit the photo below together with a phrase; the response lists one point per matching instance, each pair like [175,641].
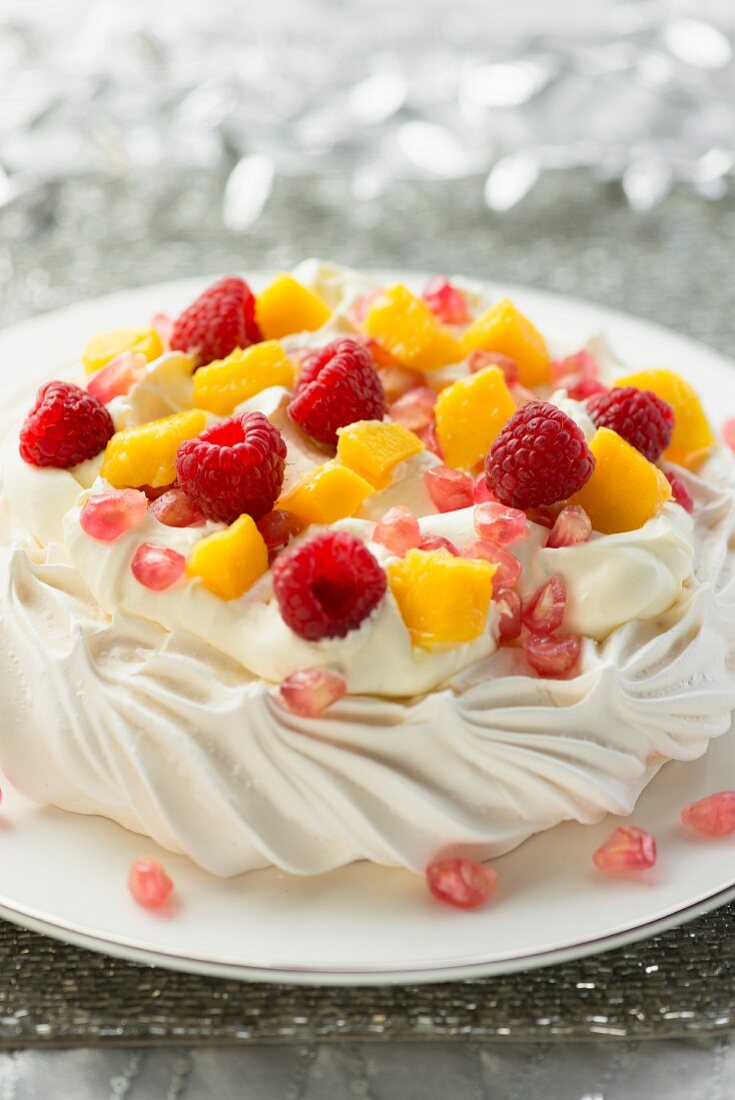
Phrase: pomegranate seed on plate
[311,690]
[174,509]
[509,568]
[438,542]
[679,492]
[500,523]
[508,603]
[553,656]
[118,377]
[713,815]
[571,527]
[544,611]
[627,849]
[398,531]
[415,408]
[446,302]
[157,567]
[109,515]
[449,489]
[480,359]
[464,883]
[148,883]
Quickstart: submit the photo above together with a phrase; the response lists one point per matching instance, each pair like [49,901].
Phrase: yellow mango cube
[147,455]
[373,449]
[286,306]
[443,600]
[326,494]
[104,346]
[225,383]
[692,438]
[506,330]
[470,414]
[625,490]
[405,326]
[230,562]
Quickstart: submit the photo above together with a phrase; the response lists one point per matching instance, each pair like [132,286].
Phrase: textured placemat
[572,235]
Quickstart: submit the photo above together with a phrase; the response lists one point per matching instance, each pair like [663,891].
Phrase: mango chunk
[692,438]
[223,384]
[286,306]
[373,449]
[326,494]
[443,600]
[405,326]
[470,415]
[229,562]
[104,346]
[506,330]
[625,490]
[147,455]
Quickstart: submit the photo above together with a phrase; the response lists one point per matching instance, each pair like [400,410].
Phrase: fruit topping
[310,691]
[446,302]
[229,562]
[118,377]
[373,449]
[581,364]
[221,319]
[287,306]
[713,815]
[504,329]
[146,455]
[449,489]
[540,457]
[398,531]
[173,508]
[499,523]
[66,426]
[543,612]
[625,489]
[157,567]
[406,326]
[508,605]
[337,386]
[553,656]
[233,468]
[508,567]
[327,586]
[470,415]
[679,492]
[414,409]
[148,883]
[106,346]
[464,883]
[639,416]
[438,542]
[109,515]
[478,360]
[692,438]
[442,599]
[628,848]
[571,527]
[326,494]
[278,528]
[225,383]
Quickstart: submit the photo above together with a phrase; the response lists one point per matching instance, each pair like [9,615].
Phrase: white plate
[65,874]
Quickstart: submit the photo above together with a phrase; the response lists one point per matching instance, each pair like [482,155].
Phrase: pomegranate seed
[712,816]
[545,515]
[446,302]
[478,360]
[580,388]
[109,515]
[164,326]
[154,493]
[278,528]
[311,690]
[415,408]
[680,493]
[385,361]
[521,395]
[499,523]
[553,656]
[398,531]
[627,849]
[438,542]
[174,509]
[544,611]
[148,883]
[581,363]
[157,567]
[481,491]
[728,433]
[361,307]
[449,489]
[461,882]
[509,568]
[571,527]
[508,603]
[430,439]
[118,377]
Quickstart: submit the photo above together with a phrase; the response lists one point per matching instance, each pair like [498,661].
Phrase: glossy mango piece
[229,562]
[470,414]
[625,490]
[506,330]
[103,347]
[326,494]
[147,455]
[225,383]
[373,449]
[443,600]
[405,326]
[692,438]
[287,306]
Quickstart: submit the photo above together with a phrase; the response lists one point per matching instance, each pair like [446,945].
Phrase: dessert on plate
[349,569]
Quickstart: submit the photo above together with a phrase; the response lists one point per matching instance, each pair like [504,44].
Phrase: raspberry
[66,426]
[337,386]
[639,416]
[327,586]
[234,467]
[220,320]
[540,457]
